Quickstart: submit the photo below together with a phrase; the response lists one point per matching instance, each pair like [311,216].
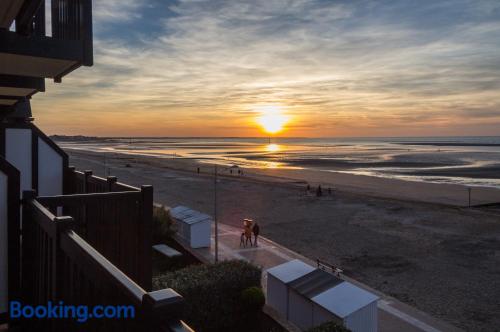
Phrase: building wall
[200,234]
[50,170]
[18,153]
[363,320]
[320,316]
[277,295]
[3,244]
[300,311]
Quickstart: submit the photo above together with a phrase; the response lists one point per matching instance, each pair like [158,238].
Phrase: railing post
[27,247]
[70,181]
[61,224]
[86,32]
[111,181]
[55,18]
[161,307]
[146,209]
[57,258]
[87,175]
[13,229]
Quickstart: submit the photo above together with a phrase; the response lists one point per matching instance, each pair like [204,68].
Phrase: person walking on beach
[247,232]
[256,231]
[319,192]
[242,240]
[248,235]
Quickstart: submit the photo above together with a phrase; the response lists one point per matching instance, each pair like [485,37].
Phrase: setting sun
[272,119]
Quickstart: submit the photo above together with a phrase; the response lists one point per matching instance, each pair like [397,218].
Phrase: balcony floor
[23,65]
[38,56]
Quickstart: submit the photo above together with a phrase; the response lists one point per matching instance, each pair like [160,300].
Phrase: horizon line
[275,137]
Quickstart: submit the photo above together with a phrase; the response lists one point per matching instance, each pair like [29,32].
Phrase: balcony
[91,246]
[28,54]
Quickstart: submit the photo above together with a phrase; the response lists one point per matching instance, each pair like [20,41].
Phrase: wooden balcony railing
[86,183]
[59,265]
[116,223]
[72,20]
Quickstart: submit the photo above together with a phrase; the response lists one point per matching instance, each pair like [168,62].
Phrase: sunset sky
[331,68]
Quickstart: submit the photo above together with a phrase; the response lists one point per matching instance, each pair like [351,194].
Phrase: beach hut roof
[290,271]
[335,295]
[189,216]
[344,299]
[314,283]
[179,211]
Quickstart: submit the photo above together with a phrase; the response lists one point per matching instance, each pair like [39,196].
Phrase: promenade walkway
[394,316]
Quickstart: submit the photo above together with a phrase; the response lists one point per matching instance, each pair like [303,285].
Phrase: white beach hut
[309,297]
[354,306]
[278,278]
[193,226]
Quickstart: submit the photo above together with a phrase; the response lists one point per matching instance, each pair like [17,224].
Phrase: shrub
[253,299]
[162,225]
[213,293]
[329,327]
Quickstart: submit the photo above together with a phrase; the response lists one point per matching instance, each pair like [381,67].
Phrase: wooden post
[13,229]
[146,230]
[105,165]
[111,182]
[87,175]
[86,32]
[28,248]
[61,224]
[161,307]
[70,181]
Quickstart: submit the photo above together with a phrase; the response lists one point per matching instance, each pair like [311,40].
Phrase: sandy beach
[412,240]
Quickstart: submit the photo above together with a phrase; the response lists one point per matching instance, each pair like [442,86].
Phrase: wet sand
[490,172]
[407,239]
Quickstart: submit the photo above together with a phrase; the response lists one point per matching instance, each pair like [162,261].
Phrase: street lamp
[215,218]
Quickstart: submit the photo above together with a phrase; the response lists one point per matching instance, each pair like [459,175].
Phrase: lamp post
[469,190]
[215,218]
[105,166]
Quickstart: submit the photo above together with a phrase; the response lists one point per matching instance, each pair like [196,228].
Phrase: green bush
[213,293]
[162,225]
[253,299]
[329,327]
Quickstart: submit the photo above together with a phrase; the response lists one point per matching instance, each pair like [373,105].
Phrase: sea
[471,161]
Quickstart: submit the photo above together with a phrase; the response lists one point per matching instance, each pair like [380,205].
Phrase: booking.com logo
[80,313]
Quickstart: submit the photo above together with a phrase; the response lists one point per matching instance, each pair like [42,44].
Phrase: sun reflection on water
[273,148]
[272,164]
